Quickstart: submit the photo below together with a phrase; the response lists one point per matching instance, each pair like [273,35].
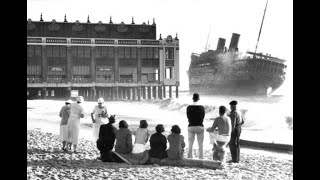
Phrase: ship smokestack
[221,44]
[234,42]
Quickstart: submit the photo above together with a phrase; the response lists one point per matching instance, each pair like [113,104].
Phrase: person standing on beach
[195,114]
[64,114]
[236,123]
[98,114]
[76,112]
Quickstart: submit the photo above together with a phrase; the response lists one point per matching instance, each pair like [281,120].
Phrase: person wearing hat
[195,114]
[98,114]
[76,112]
[64,114]
[236,123]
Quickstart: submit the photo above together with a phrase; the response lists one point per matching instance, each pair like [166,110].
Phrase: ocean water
[267,118]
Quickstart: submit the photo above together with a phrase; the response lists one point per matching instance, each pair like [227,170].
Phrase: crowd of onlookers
[226,129]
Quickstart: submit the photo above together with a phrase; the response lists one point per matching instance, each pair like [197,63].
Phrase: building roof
[91,30]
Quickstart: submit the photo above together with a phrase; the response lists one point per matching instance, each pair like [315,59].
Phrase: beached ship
[228,72]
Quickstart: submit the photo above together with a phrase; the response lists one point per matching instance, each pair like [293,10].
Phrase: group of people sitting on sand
[108,137]
[121,140]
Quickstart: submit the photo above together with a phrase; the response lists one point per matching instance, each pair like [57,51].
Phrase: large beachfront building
[114,61]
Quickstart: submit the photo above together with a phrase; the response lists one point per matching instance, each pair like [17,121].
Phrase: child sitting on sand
[142,135]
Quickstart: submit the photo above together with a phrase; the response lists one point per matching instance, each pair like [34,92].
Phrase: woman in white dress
[76,112]
[98,115]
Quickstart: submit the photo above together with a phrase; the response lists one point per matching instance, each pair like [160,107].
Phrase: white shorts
[215,136]
[63,132]
[138,148]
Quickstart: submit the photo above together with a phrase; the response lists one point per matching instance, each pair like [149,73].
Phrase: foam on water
[265,117]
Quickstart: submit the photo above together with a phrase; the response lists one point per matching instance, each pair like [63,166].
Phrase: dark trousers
[106,153]
[234,144]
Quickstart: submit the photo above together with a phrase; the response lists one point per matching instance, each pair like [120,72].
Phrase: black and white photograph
[160,89]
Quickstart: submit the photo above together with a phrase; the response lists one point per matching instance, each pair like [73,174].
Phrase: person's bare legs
[191,140]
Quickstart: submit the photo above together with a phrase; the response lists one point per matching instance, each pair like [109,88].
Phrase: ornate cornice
[122,28]
[53,26]
[77,27]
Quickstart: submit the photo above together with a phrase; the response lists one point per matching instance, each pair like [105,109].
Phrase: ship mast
[261,27]
[206,48]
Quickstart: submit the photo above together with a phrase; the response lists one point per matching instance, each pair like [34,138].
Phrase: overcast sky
[191,19]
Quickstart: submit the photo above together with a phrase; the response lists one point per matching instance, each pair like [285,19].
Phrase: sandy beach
[46,160]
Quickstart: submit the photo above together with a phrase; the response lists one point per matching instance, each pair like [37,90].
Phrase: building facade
[114,61]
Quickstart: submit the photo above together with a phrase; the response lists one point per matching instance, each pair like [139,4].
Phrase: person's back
[107,137]
[224,125]
[158,144]
[195,115]
[107,133]
[176,145]
[76,110]
[64,114]
[141,135]
[124,139]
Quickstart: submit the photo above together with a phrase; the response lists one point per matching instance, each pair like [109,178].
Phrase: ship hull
[258,77]
[234,87]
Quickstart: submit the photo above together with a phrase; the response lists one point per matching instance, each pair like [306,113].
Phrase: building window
[169,73]
[37,51]
[121,52]
[63,51]
[55,51]
[74,51]
[104,51]
[111,52]
[98,52]
[169,53]
[87,52]
[80,51]
[52,92]
[156,74]
[156,53]
[49,51]
[133,52]
[127,52]
[149,52]
[30,51]
[143,52]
